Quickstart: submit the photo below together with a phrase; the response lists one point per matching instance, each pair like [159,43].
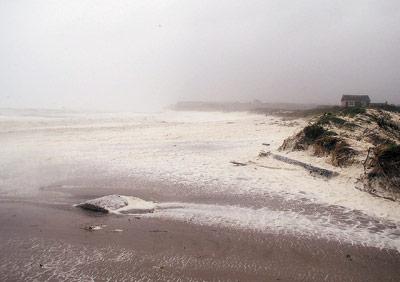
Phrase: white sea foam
[118,204]
[193,150]
[137,204]
[281,222]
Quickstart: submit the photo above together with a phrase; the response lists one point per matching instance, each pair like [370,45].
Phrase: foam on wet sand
[191,152]
[118,204]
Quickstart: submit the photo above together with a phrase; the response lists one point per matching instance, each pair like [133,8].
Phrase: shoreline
[165,249]
[262,222]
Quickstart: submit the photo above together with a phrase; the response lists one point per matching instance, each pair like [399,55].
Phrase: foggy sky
[141,55]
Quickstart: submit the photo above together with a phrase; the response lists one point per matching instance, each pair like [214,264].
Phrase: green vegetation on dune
[330,118]
[382,171]
[389,156]
[352,112]
[334,110]
[344,136]
[386,122]
[324,143]
[315,131]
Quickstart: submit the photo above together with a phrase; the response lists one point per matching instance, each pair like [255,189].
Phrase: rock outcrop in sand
[118,204]
[365,138]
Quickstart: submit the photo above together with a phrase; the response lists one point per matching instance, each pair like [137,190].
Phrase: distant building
[349,101]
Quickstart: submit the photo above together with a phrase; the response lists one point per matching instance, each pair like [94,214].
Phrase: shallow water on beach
[43,157]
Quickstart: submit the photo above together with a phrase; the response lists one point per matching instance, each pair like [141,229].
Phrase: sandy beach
[199,141]
[48,242]
[214,221]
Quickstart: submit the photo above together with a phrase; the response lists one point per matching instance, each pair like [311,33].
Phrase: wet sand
[48,242]
[235,223]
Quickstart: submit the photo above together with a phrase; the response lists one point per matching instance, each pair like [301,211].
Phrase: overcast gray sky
[141,55]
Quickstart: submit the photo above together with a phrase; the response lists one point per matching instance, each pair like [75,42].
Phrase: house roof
[357,98]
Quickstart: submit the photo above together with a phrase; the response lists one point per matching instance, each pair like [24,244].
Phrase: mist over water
[142,56]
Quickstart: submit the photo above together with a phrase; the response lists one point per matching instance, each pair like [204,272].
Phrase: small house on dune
[349,101]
